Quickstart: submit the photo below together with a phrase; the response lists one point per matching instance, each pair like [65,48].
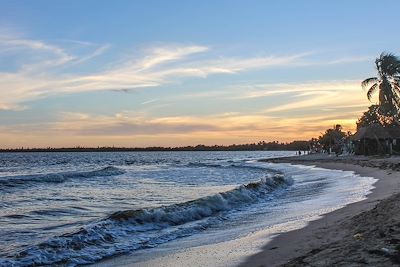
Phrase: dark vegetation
[270,146]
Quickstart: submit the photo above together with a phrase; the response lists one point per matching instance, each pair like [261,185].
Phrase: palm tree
[388,84]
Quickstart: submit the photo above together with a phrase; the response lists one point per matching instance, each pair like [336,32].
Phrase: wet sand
[365,233]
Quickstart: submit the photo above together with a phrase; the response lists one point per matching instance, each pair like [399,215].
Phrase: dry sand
[365,233]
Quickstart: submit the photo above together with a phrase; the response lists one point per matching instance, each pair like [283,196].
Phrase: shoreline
[319,243]
[288,247]
[335,238]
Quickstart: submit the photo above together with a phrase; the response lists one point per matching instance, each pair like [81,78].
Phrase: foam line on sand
[363,233]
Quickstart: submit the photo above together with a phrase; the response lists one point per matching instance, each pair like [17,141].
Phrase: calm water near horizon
[70,209]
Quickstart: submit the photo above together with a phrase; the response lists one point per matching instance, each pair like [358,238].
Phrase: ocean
[70,209]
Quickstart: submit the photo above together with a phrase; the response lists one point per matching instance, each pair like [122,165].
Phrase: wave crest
[206,206]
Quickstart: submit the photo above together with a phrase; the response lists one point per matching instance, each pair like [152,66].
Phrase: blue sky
[141,73]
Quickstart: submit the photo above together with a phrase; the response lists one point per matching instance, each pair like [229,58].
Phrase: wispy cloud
[319,95]
[44,69]
[97,52]
[149,101]
[160,55]
[351,59]
[249,91]
[50,55]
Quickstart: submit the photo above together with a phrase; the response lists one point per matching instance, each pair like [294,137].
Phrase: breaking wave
[129,230]
[203,207]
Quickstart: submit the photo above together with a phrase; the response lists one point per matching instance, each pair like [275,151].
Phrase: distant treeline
[270,146]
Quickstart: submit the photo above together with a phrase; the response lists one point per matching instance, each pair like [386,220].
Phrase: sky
[175,73]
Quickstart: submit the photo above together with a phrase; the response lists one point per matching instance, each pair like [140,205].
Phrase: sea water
[71,209]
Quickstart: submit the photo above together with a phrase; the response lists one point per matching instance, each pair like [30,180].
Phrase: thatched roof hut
[373,131]
[376,139]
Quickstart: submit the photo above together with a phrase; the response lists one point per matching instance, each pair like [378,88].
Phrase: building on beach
[376,139]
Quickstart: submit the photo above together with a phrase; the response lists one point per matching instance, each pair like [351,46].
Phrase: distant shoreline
[261,146]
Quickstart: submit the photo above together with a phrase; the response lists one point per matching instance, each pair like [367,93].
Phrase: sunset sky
[172,73]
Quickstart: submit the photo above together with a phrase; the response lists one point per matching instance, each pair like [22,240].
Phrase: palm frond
[396,93]
[368,81]
[396,88]
[387,56]
[372,90]
[388,64]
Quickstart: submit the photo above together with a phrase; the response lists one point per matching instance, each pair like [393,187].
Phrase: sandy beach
[365,233]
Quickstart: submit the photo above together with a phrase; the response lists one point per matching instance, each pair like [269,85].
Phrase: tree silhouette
[387,84]
[371,116]
[333,138]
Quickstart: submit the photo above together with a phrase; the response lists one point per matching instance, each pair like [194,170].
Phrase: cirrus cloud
[42,69]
